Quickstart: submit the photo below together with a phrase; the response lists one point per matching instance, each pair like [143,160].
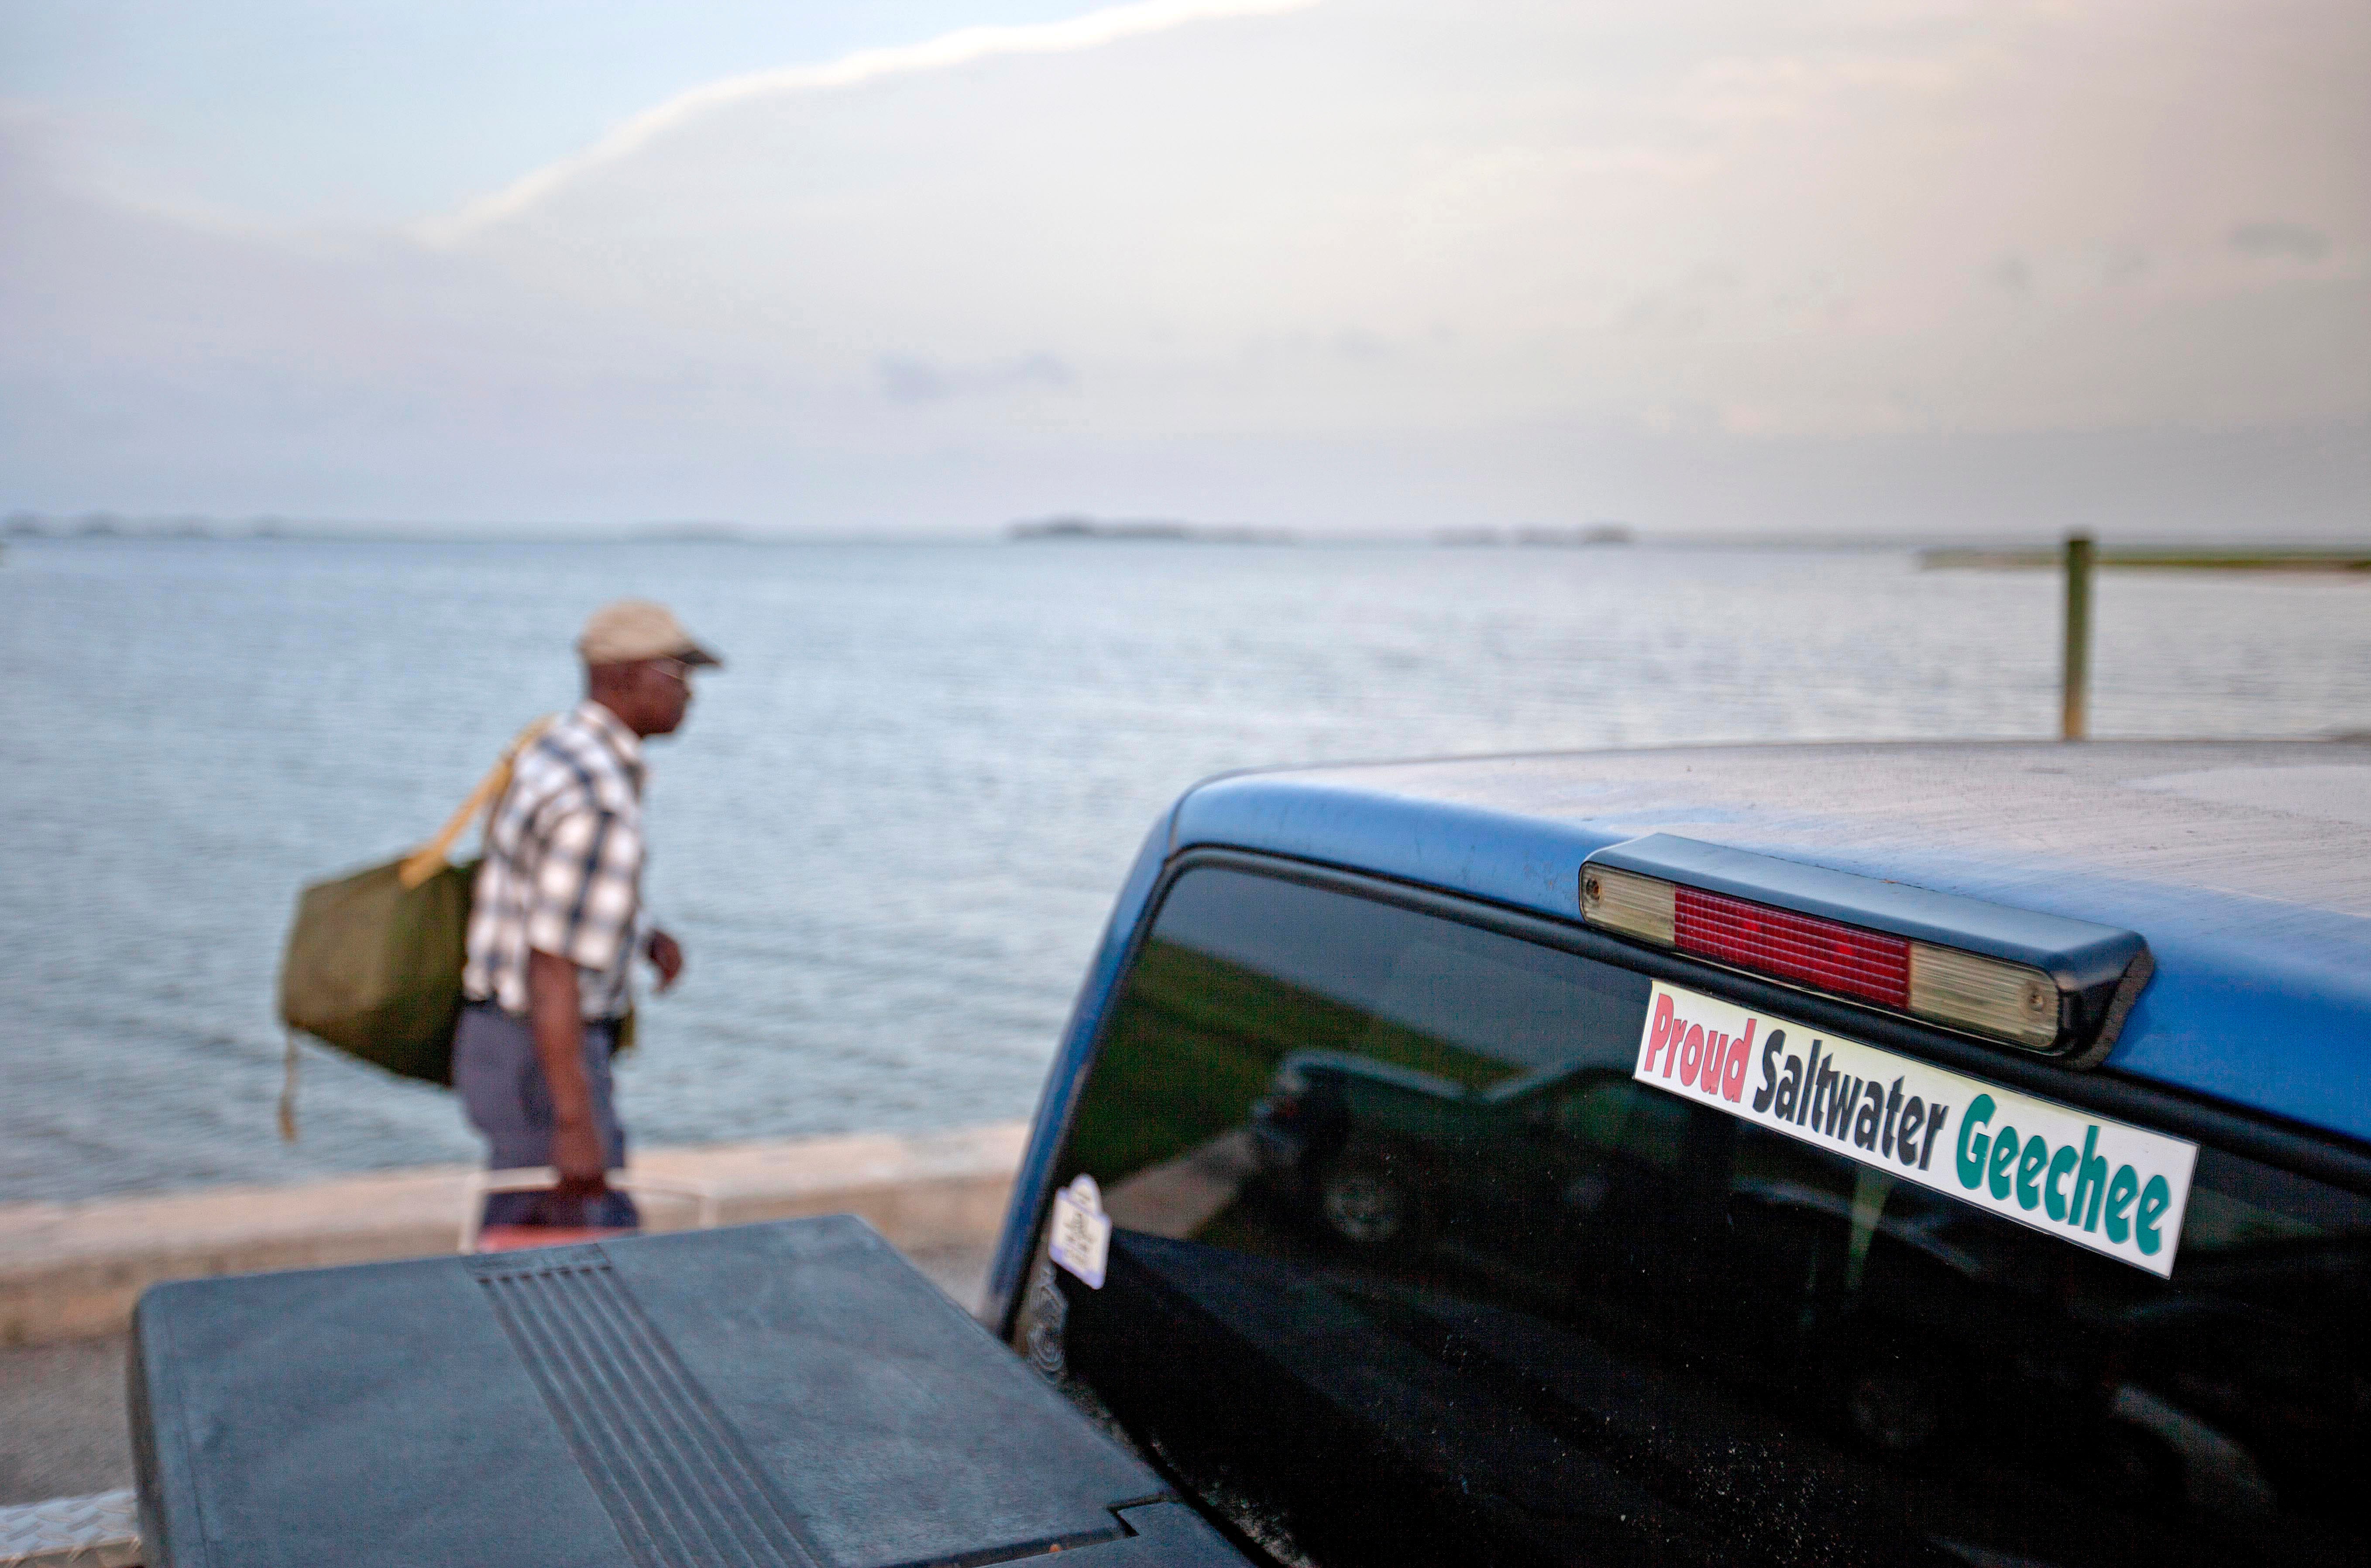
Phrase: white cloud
[946,51]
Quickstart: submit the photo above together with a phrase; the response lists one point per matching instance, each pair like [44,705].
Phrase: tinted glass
[1405,1267]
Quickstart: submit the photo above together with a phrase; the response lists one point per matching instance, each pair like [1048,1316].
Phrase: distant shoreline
[1150,530]
[1931,552]
[1167,531]
[2168,558]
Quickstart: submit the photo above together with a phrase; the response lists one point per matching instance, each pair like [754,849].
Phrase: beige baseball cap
[635,629]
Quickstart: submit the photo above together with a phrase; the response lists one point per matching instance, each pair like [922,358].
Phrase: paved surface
[62,1423]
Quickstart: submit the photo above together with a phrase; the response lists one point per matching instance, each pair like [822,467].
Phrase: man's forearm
[558,1018]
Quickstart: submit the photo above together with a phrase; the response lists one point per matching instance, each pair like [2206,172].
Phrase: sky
[1927,268]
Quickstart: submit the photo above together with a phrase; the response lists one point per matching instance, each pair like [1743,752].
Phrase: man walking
[556,922]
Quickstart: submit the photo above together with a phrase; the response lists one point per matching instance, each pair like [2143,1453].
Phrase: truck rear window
[1406,1266]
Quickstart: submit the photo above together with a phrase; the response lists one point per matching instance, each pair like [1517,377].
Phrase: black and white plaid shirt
[563,866]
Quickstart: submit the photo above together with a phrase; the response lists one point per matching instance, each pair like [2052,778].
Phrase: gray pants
[501,1082]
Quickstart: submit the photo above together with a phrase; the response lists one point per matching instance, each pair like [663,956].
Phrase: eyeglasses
[674,669]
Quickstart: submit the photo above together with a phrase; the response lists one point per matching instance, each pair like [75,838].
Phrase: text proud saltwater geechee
[2100,1184]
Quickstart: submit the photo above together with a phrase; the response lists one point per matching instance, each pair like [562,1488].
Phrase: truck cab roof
[2246,865]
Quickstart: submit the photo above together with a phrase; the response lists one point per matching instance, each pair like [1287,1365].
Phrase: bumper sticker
[2104,1185]
[1080,1234]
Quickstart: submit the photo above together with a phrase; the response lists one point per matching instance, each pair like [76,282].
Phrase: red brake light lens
[1823,953]
[1992,996]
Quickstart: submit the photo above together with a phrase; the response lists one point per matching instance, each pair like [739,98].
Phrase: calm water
[891,831]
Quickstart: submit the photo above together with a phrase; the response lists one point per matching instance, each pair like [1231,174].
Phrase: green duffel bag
[373,966]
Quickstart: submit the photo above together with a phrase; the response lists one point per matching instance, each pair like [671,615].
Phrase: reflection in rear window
[1407,1268]
[1241,971]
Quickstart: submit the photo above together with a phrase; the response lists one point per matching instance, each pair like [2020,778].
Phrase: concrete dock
[70,1272]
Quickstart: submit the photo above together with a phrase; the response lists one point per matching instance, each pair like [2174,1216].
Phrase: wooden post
[2074,717]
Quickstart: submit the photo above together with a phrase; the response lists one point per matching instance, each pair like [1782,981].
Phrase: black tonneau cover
[791,1393]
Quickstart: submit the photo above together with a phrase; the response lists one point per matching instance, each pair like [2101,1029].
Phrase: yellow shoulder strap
[430,858]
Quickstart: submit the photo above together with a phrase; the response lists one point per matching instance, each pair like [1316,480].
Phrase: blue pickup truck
[1953,1153]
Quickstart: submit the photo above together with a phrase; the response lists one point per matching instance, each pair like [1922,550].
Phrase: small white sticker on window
[1081,1231]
